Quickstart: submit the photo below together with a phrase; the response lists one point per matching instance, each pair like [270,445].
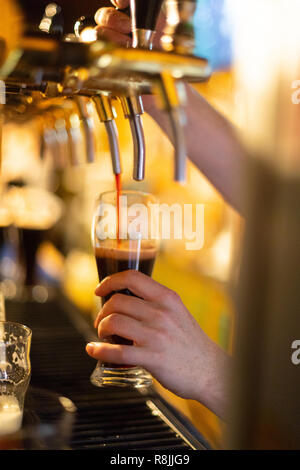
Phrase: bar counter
[104,418]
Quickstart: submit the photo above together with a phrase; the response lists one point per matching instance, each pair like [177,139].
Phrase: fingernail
[101,283]
[90,348]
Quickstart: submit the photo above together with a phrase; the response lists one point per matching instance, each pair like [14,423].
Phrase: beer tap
[84,29]
[85,115]
[171,96]
[62,139]
[179,34]
[74,135]
[60,135]
[143,19]
[133,108]
[51,141]
[102,100]
[107,115]
[60,67]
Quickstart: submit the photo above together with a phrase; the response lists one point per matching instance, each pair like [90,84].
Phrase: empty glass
[15,369]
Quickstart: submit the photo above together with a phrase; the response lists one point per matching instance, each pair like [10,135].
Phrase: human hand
[115,26]
[167,340]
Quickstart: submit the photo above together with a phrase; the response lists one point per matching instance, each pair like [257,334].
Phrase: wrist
[212,389]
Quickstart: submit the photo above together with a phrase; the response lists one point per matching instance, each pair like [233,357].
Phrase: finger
[131,306]
[113,36]
[113,19]
[126,327]
[116,353]
[120,3]
[138,283]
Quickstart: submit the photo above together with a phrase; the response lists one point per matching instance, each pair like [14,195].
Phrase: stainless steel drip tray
[110,418]
[47,421]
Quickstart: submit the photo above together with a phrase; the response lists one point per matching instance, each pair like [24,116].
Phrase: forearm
[213,389]
[212,144]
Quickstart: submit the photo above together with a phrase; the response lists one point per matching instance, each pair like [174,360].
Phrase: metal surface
[177,125]
[138,147]
[171,102]
[50,66]
[113,140]
[132,109]
[88,126]
[106,114]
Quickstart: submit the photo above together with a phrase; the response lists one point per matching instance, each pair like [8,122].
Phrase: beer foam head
[126,249]
[10,414]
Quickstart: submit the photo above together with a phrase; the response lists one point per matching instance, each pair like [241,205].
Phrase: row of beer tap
[55,73]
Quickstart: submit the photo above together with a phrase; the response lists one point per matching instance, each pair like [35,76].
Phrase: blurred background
[46,213]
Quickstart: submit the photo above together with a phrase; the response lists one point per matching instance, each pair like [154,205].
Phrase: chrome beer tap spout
[132,109]
[171,98]
[49,142]
[84,112]
[62,140]
[83,68]
[107,115]
[74,136]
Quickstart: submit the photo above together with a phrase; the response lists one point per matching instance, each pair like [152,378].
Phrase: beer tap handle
[106,115]
[52,22]
[144,15]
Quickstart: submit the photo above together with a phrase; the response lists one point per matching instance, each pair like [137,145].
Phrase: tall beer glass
[123,238]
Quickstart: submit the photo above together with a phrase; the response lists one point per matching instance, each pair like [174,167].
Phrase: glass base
[120,377]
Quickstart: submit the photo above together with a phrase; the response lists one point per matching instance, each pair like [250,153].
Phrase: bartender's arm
[167,340]
[212,142]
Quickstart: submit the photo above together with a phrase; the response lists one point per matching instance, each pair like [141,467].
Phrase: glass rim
[126,191]
[20,325]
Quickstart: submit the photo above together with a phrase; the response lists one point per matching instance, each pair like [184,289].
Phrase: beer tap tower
[52,67]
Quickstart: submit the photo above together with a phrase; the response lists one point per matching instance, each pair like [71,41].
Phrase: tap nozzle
[171,102]
[85,116]
[107,115]
[74,136]
[49,141]
[133,108]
